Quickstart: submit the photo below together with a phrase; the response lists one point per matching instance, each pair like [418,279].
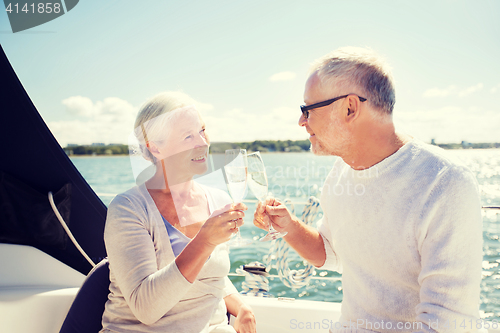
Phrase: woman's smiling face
[185,149]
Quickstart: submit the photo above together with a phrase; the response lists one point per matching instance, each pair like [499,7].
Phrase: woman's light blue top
[177,239]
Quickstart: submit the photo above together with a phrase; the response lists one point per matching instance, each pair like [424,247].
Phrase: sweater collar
[386,164]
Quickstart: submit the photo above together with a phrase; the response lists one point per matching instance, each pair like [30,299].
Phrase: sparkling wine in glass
[236,180]
[257,181]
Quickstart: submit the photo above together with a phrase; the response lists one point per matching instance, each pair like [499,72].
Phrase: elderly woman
[166,238]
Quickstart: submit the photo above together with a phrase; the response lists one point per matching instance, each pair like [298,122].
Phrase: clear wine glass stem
[236,177]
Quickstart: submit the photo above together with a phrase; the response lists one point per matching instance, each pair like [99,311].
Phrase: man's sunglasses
[305,108]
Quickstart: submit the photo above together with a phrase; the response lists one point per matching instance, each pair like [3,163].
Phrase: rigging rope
[279,249]
[65,226]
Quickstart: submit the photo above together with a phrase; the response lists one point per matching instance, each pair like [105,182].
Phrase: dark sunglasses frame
[305,108]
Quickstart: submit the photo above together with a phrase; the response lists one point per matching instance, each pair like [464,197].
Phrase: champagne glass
[236,180]
[257,181]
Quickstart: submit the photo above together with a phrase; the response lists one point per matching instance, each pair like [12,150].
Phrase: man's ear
[353,108]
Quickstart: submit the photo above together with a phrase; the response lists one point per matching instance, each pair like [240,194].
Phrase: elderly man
[402,220]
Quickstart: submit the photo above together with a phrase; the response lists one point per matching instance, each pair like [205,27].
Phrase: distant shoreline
[263,152]
[264,146]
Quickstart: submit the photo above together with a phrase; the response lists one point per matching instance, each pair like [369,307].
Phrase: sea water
[300,175]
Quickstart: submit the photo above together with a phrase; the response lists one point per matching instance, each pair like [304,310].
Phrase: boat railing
[327,278]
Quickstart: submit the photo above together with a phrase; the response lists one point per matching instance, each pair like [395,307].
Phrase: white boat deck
[36,290]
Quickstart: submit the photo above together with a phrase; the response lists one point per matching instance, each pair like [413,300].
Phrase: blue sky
[246,62]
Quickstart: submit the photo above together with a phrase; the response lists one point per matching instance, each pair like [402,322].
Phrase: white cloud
[286,114]
[470,90]
[282,76]
[107,121]
[243,125]
[495,89]
[450,124]
[452,91]
[204,107]
[111,121]
[80,106]
[436,92]
[110,106]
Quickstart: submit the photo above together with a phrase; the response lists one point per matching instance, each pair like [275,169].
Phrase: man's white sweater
[407,236]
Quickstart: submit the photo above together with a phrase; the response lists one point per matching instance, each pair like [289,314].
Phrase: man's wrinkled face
[328,134]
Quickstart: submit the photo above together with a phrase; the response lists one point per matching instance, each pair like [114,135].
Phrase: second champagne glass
[236,179]
[257,181]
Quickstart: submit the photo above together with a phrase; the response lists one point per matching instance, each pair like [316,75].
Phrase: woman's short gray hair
[360,69]
[153,120]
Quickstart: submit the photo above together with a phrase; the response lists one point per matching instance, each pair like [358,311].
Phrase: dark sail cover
[35,163]
[27,217]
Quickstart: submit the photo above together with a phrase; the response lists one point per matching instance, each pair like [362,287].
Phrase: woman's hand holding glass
[222,224]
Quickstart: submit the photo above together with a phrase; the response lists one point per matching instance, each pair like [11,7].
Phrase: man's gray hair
[362,71]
